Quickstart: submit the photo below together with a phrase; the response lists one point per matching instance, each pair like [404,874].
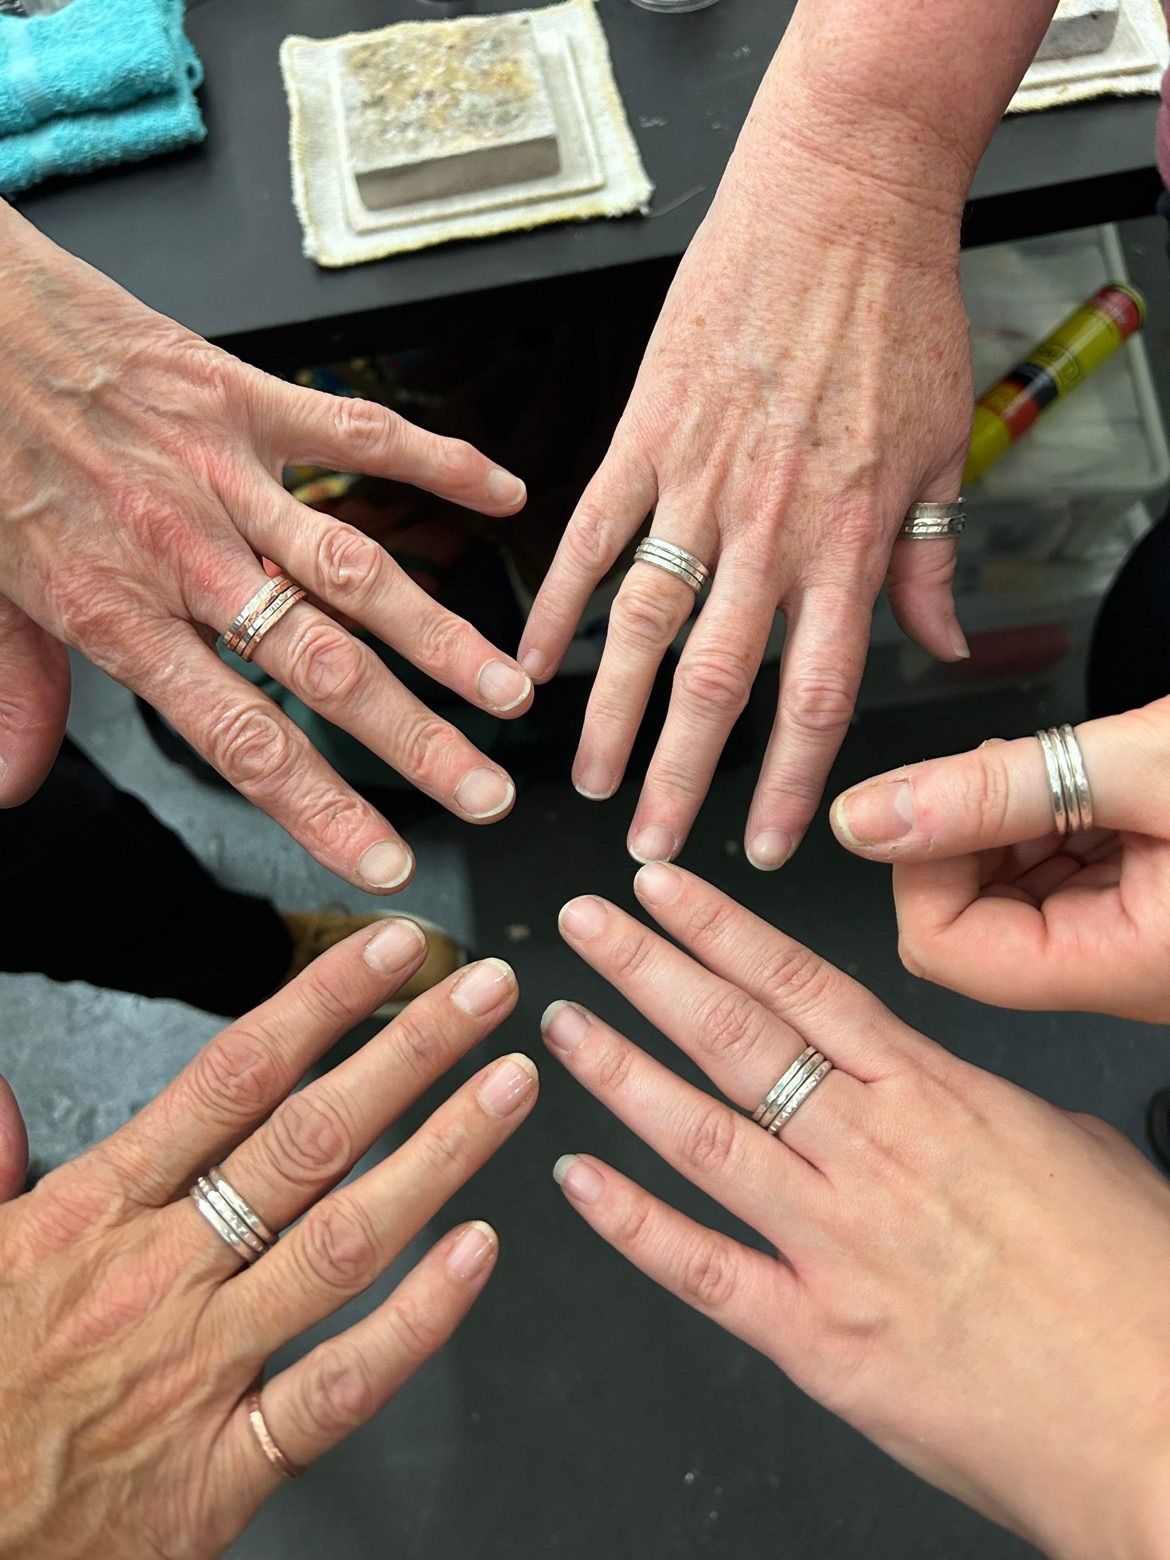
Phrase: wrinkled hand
[977,1281]
[129,1335]
[808,379]
[139,490]
[994,904]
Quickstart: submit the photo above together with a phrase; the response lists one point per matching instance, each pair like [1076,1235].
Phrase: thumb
[34,701]
[998,795]
[13,1145]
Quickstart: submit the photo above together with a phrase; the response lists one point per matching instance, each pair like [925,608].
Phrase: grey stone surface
[1080,27]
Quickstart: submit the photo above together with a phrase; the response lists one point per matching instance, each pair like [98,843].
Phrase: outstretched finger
[314,1404]
[920,587]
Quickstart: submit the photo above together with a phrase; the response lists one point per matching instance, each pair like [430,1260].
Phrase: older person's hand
[139,491]
[977,1281]
[993,903]
[809,379]
[131,1334]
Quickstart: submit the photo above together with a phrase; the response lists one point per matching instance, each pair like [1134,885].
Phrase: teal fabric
[101,82]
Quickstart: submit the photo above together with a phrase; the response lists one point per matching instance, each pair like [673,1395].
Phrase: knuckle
[794,974]
[419,1332]
[338,1393]
[986,794]
[337,819]
[418,1045]
[424,747]
[349,565]
[611,1069]
[326,1006]
[634,1223]
[645,618]
[443,641]
[730,1023]
[707,1139]
[818,704]
[90,610]
[586,541]
[629,954]
[328,665]
[338,1248]
[711,922]
[251,746]
[707,1275]
[456,462]
[364,424]
[309,1141]
[720,679]
[446,1148]
[234,1078]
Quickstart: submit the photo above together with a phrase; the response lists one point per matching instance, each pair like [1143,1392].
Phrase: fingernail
[502,686]
[482,793]
[385,865]
[508,1085]
[394,944]
[565,1024]
[582,1182]
[534,663]
[595,780]
[482,987]
[959,641]
[504,488]
[653,843]
[472,1252]
[582,918]
[657,883]
[876,814]
[769,850]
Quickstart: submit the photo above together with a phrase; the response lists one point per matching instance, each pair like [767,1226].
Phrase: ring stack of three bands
[232,1219]
[675,560]
[263,612]
[933,522]
[1068,780]
[791,1089]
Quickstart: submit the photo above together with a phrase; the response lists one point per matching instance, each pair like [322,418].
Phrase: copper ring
[263,612]
[283,1465]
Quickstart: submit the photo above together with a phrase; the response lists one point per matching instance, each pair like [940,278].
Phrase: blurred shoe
[315,931]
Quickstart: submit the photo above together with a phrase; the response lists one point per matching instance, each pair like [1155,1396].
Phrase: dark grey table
[210,237]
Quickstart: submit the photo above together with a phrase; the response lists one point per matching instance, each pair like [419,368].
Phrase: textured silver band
[929,522]
[675,560]
[784,1116]
[263,612]
[224,1209]
[1069,791]
[791,1089]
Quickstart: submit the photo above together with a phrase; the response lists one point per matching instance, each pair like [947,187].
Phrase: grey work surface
[210,237]
[580,1414]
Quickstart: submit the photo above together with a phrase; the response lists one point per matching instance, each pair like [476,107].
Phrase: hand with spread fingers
[1033,873]
[974,1279]
[139,494]
[135,1320]
[806,389]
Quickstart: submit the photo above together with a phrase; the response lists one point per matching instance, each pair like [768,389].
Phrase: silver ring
[1069,791]
[222,1206]
[930,521]
[791,1089]
[675,560]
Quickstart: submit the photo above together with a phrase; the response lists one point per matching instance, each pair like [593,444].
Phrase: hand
[992,903]
[977,1281]
[129,1335]
[139,490]
[808,379]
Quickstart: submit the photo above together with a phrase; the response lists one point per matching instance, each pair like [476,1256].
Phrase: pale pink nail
[654,842]
[509,1083]
[534,663]
[595,780]
[482,793]
[657,883]
[581,1181]
[582,918]
[483,986]
[394,945]
[769,849]
[474,1249]
[565,1024]
[385,865]
[502,686]
[504,488]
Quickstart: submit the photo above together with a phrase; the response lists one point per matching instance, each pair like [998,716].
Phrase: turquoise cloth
[103,81]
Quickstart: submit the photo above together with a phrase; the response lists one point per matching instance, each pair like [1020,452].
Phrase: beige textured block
[438,109]
[1080,27]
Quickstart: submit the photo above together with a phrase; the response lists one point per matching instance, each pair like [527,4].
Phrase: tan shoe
[314,931]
